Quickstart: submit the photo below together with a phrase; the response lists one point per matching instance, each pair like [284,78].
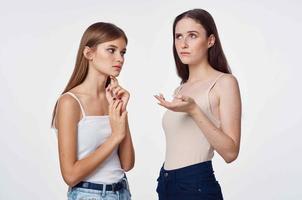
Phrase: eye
[111,50]
[192,35]
[123,53]
[178,36]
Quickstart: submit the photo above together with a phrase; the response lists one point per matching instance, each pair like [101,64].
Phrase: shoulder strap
[76,98]
[209,89]
[177,90]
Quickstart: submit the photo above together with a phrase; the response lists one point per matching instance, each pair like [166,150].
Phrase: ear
[88,53]
[211,41]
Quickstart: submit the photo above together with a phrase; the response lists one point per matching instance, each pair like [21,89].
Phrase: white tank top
[185,142]
[92,132]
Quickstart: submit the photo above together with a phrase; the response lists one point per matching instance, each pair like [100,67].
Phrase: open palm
[179,104]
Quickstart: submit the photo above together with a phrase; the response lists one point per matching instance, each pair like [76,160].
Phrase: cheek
[200,47]
[103,62]
[177,46]
[103,59]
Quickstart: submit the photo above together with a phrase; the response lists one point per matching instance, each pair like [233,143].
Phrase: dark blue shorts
[194,182]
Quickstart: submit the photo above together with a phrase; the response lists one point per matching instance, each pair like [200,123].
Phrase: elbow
[232,156]
[127,167]
[70,179]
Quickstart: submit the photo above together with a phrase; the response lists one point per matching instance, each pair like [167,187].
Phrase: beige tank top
[185,142]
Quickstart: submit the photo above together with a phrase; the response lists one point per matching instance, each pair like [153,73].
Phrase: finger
[161,99]
[112,88]
[116,110]
[124,107]
[158,98]
[124,114]
[113,107]
[164,103]
[162,96]
[115,104]
[119,108]
[116,90]
[113,81]
[120,92]
[109,95]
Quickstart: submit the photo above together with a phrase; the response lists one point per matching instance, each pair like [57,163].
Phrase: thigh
[84,194]
[124,194]
[197,189]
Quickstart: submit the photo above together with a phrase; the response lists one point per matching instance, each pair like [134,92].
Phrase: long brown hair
[216,57]
[95,34]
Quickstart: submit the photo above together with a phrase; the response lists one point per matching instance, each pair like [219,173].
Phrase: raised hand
[180,103]
[115,91]
[118,119]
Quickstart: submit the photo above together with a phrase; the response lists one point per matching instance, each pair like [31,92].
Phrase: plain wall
[261,39]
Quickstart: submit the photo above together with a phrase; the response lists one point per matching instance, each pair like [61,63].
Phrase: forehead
[187,24]
[119,42]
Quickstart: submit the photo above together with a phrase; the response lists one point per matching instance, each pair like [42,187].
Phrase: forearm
[82,168]
[220,141]
[126,151]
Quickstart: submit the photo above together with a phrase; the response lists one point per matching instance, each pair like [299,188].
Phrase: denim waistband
[123,184]
[202,170]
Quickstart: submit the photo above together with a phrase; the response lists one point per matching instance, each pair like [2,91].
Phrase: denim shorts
[194,182]
[77,193]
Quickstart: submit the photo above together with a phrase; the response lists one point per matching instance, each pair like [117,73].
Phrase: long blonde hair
[95,34]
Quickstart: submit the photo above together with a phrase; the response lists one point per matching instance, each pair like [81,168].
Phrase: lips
[118,66]
[184,53]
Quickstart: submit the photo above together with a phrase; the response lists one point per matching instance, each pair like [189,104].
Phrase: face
[108,58]
[191,41]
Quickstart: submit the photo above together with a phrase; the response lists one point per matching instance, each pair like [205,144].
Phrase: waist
[203,170]
[122,184]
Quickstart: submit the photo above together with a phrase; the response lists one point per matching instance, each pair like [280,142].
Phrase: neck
[94,83]
[199,71]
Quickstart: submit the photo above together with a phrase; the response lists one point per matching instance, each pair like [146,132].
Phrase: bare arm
[72,169]
[226,140]
[126,151]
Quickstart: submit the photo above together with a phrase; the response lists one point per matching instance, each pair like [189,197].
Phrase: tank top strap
[78,100]
[209,89]
[177,90]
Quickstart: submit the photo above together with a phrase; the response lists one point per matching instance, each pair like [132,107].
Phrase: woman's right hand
[118,119]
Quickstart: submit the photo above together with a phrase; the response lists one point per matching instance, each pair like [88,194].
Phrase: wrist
[195,110]
[116,138]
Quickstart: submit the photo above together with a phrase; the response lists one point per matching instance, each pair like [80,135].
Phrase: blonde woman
[94,140]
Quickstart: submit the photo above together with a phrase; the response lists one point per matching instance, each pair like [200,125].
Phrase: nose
[120,58]
[184,43]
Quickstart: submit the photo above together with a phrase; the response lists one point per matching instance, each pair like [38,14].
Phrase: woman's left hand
[180,103]
[118,92]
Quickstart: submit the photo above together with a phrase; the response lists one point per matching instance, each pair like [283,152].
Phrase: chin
[115,74]
[189,61]
[186,61]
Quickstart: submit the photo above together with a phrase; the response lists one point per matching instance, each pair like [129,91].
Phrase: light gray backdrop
[261,39]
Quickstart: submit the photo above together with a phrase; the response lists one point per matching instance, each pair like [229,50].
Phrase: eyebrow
[189,32]
[111,45]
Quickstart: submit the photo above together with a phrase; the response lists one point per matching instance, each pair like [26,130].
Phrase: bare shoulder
[67,103]
[227,82]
